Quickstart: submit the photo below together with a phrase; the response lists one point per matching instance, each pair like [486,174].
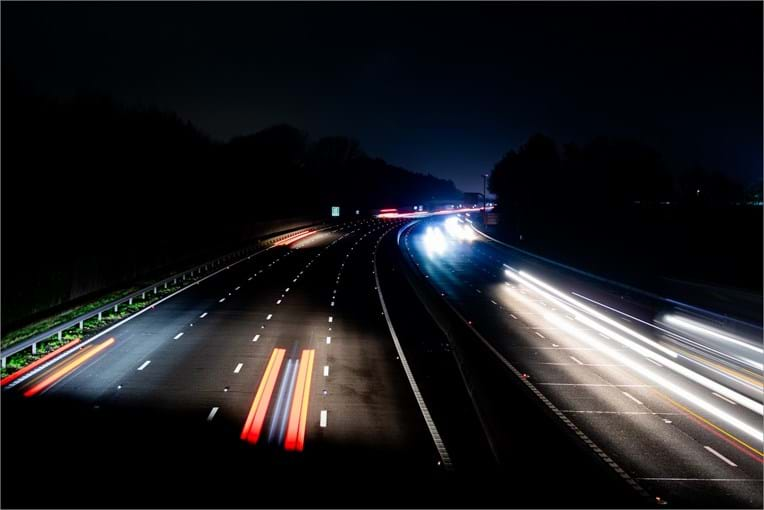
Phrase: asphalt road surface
[273,383]
[649,408]
[277,383]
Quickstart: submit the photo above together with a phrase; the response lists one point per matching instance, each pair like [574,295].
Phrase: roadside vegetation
[90,327]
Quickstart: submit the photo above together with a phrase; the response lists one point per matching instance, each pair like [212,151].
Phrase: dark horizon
[446,91]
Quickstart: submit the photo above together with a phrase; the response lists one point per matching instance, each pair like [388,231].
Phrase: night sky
[443,88]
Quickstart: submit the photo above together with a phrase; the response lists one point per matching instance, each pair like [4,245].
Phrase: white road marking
[212,414]
[323,418]
[238,368]
[256,337]
[576,360]
[178,336]
[632,398]
[269,317]
[331,319]
[328,339]
[326,370]
[513,316]
[725,459]
[202,316]
[278,301]
[654,362]
[145,364]
[539,334]
[221,300]
[237,288]
[723,398]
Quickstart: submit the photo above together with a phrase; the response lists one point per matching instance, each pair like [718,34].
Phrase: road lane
[659,439]
[186,408]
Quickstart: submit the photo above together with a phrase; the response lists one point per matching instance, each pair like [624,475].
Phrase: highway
[278,382]
[272,383]
[676,411]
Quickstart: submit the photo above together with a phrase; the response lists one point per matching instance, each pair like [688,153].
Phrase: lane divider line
[725,459]
[212,414]
[144,365]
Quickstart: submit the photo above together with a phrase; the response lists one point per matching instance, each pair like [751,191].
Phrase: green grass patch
[90,327]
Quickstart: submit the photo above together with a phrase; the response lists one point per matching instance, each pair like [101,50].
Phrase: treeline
[605,174]
[614,206]
[91,186]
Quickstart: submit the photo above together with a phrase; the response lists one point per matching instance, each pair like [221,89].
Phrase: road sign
[335,211]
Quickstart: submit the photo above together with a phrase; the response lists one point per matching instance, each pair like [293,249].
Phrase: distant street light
[485,177]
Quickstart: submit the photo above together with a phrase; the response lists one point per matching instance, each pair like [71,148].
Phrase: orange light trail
[295,436]
[287,242]
[256,416]
[66,369]
[15,375]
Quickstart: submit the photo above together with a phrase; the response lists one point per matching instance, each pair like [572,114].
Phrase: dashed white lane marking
[237,288]
[723,398]
[270,315]
[576,360]
[178,336]
[323,418]
[628,395]
[238,368]
[331,319]
[328,339]
[654,362]
[145,364]
[212,414]
[286,290]
[278,301]
[513,316]
[725,459]
[326,370]
[331,304]
[249,279]
[202,316]
[539,334]
[256,337]
[221,300]
[494,302]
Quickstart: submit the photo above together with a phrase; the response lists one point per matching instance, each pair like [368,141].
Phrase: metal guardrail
[56,332]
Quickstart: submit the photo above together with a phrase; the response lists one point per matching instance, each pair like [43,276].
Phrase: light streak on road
[67,368]
[295,434]
[540,287]
[18,373]
[254,423]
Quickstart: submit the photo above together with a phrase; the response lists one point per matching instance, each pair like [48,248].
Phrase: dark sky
[445,88]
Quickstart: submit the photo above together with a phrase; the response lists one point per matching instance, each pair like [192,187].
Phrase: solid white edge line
[66,354]
[441,448]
